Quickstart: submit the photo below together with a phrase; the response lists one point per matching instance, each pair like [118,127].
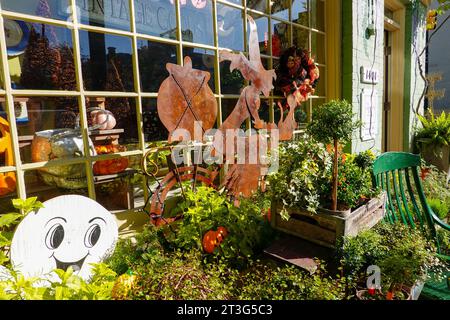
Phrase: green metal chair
[397,173]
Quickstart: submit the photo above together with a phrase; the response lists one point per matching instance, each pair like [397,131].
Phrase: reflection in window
[264,110]
[280,9]
[202,59]
[280,37]
[153,57]
[197,22]
[300,113]
[318,46]
[230,82]
[42,58]
[156,18]
[230,27]
[107,14]
[154,130]
[262,23]
[301,37]
[320,89]
[106,62]
[55,9]
[228,105]
[300,13]
[259,5]
[317,14]
[44,114]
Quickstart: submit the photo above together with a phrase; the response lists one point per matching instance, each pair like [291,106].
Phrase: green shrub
[439,208]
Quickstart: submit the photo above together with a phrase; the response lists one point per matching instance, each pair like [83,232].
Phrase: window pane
[55,9]
[300,13]
[264,110]
[40,56]
[301,38]
[299,114]
[156,18]
[262,23]
[230,82]
[197,22]
[122,130]
[118,187]
[107,14]
[48,123]
[154,130]
[202,59]
[153,57]
[280,37]
[238,2]
[280,9]
[259,5]
[320,89]
[228,106]
[51,182]
[230,27]
[106,62]
[317,14]
[318,47]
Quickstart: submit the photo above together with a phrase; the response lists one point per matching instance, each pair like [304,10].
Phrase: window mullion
[9,102]
[82,102]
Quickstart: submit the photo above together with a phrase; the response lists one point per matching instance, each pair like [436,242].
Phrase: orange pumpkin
[113,166]
[212,239]
[7,180]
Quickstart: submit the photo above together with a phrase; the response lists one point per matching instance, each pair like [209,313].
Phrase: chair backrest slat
[389,197]
[400,206]
[405,201]
[417,211]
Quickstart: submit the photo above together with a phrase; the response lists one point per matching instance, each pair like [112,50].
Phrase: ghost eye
[92,236]
[55,237]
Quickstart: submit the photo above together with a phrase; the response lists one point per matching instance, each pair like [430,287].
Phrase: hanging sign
[370,75]
[369,114]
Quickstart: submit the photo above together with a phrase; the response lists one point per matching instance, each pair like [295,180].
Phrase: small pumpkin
[103,119]
[7,180]
[212,239]
[112,166]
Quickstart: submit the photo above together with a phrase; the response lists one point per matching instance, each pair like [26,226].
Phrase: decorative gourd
[7,180]
[103,119]
[212,239]
[112,166]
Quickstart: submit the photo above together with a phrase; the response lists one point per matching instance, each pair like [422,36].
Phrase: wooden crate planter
[327,229]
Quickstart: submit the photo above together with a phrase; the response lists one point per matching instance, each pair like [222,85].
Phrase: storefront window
[107,62]
[230,27]
[202,59]
[156,18]
[197,22]
[51,85]
[106,14]
[40,56]
[153,57]
[55,9]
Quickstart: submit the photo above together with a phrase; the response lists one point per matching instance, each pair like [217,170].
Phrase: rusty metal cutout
[184,98]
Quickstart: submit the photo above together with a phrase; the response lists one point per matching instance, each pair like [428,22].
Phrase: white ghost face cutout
[70,231]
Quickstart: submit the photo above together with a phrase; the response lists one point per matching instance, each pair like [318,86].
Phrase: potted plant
[433,139]
[300,190]
[403,255]
[333,123]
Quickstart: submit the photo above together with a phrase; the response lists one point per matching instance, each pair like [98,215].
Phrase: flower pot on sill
[327,228]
